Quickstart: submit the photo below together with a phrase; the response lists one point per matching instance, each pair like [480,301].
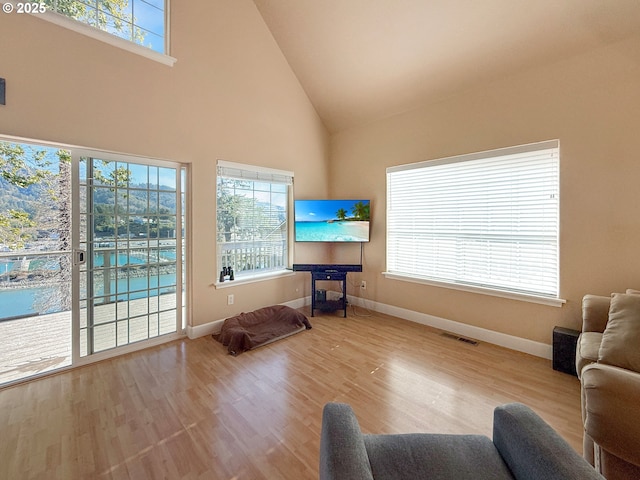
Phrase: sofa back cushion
[621,337]
[417,456]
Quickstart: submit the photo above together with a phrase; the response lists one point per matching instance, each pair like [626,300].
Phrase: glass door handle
[79,257]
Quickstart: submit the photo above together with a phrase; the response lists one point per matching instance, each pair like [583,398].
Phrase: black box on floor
[565,341]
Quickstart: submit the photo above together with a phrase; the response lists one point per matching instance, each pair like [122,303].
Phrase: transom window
[486,220]
[252,219]
[142,22]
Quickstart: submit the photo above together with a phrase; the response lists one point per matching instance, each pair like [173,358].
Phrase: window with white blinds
[252,219]
[487,220]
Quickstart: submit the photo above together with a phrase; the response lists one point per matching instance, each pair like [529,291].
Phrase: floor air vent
[460,339]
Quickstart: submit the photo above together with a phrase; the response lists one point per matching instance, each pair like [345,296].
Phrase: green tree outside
[112,16]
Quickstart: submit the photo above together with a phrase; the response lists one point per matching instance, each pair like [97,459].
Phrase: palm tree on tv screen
[361,211]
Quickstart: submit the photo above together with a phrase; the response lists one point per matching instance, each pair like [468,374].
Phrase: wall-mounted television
[332,220]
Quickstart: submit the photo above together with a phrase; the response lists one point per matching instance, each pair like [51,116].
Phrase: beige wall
[231,95]
[591,103]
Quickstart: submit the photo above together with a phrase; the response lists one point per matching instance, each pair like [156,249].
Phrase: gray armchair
[524,447]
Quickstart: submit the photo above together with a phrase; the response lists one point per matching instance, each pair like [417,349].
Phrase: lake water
[20,301]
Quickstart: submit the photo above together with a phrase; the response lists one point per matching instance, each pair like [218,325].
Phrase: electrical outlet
[363,284]
[230,299]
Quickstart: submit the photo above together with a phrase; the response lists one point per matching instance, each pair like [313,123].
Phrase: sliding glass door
[130,252]
[92,257]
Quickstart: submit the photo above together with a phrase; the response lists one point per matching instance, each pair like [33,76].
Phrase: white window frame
[485,222]
[108,38]
[254,173]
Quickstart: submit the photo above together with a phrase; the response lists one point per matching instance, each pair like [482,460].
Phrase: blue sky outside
[148,16]
[51,158]
[139,174]
[323,210]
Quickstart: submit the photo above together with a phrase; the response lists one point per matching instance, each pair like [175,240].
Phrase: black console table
[328,272]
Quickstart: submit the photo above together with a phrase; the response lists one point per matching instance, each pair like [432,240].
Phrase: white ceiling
[362,60]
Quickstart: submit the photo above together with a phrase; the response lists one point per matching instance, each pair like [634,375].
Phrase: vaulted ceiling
[362,60]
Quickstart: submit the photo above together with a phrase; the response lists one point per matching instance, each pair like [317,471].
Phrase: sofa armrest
[343,454]
[595,313]
[610,402]
[533,450]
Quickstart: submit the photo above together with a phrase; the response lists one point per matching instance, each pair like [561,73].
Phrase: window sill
[254,278]
[553,302]
[89,31]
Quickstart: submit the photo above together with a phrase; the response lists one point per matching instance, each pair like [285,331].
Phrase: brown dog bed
[260,327]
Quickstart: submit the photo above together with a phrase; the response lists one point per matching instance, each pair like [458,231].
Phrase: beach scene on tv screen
[332,220]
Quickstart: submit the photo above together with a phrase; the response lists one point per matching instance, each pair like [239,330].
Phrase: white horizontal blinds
[487,219]
[252,213]
[240,171]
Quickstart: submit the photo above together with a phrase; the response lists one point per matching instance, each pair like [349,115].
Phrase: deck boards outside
[39,344]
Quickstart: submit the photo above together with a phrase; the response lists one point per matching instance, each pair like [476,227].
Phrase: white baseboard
[476,333]
[508,341]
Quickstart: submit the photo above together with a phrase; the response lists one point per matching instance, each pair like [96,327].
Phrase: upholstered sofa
[608,365]
[523,447]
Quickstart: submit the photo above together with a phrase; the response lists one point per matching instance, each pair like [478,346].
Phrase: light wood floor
[188,410]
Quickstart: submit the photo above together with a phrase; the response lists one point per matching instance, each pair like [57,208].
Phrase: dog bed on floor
[260,327]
